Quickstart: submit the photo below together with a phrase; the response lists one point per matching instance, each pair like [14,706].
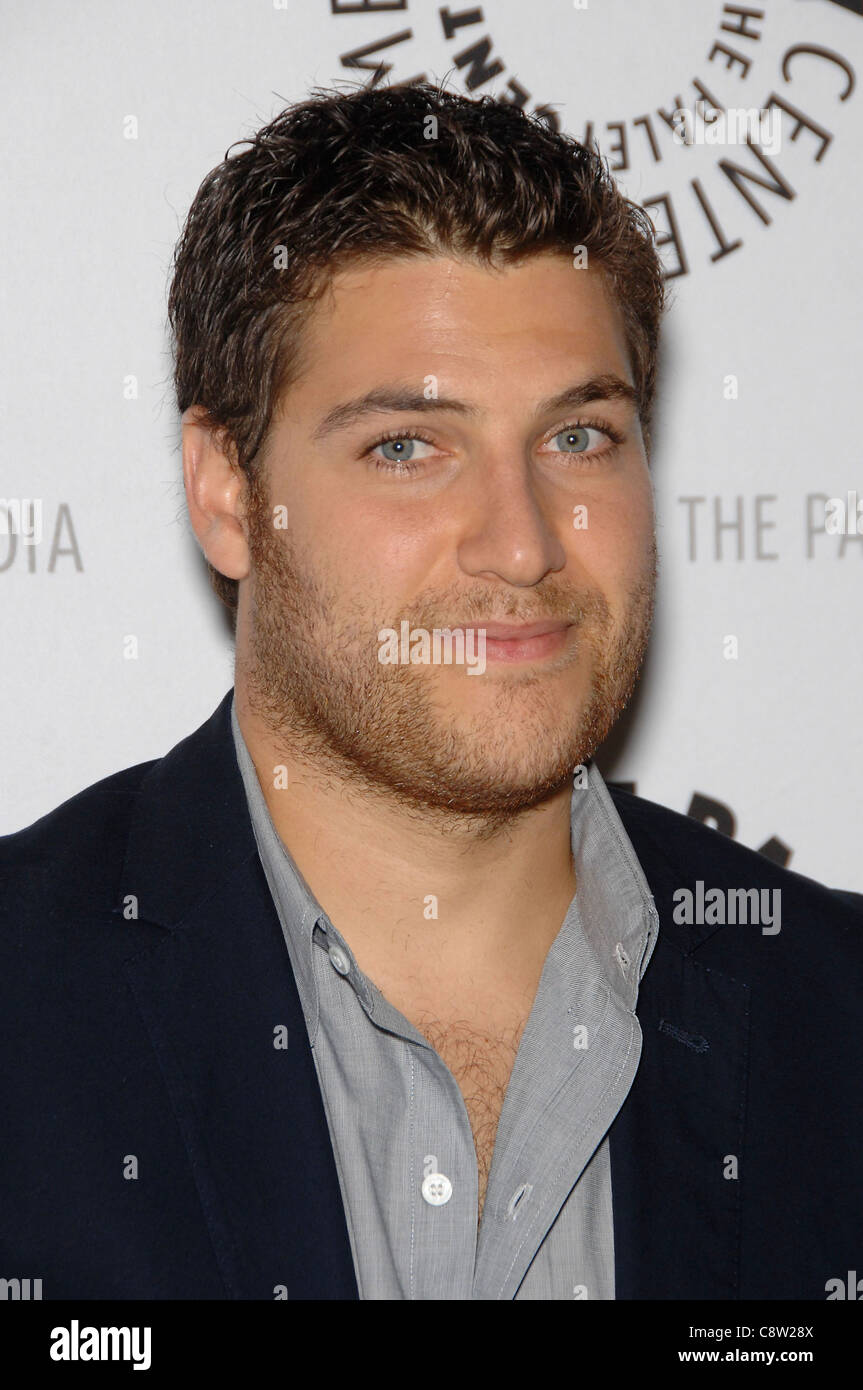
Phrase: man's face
[507,511]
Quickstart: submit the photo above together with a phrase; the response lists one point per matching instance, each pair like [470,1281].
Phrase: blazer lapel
[676,1146]
[216,993]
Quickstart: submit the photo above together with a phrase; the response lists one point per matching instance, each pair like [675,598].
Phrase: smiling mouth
[515,642]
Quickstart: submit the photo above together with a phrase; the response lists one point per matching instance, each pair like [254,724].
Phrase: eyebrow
[390,399]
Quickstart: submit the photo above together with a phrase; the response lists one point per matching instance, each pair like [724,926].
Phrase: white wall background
[90,221]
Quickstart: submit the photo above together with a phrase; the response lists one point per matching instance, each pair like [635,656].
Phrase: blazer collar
[219,1003]
[191,830]
[677,1145]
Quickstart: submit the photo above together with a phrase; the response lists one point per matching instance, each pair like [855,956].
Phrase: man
[371,987]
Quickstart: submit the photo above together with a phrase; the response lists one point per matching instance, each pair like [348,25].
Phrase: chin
[493,796]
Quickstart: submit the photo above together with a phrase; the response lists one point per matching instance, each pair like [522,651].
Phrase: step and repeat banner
[738,128]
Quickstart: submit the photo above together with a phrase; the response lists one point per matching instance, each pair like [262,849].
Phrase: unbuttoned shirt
[398,1124]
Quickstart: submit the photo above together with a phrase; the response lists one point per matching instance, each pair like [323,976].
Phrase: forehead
[413,317]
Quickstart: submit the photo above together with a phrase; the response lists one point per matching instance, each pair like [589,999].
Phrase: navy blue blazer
[144,1044]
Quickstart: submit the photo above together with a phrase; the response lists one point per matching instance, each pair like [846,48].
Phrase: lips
[515,643]
[517,632]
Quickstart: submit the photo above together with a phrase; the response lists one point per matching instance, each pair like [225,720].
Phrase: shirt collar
[616,909]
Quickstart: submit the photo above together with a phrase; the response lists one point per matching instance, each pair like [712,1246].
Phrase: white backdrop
[89,426]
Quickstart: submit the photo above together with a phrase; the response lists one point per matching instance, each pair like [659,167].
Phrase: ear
[214,492]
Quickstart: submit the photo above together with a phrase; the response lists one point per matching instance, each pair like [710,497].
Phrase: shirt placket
[433,1201]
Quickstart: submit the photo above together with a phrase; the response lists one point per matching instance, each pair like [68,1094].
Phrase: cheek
[329,533]
[370,551]
[614,551]
[613,538]
[402,545]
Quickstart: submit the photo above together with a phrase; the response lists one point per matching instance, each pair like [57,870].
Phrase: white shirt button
[339,960]
[436,1189]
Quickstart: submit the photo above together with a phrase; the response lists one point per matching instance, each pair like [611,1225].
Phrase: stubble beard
[313,677]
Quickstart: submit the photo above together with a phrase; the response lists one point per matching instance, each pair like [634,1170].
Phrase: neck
[490,901]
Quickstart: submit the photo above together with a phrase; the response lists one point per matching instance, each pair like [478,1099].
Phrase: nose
[510,536]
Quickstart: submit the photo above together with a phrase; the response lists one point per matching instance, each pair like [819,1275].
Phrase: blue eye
[403,457]
[591,443]
[402,449]
[576,439]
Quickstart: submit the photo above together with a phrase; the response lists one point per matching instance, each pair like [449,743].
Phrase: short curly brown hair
[364,175]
